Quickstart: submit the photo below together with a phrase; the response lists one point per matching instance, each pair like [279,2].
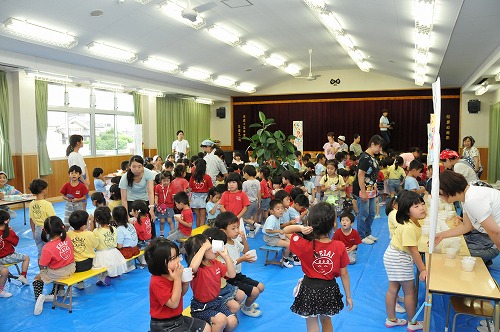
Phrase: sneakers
[39,305]
[397,322]
[419,325]
[373,238]
[5,294]
[482,322]
[400,299]
[367,240]
[296,260]
[399,308]
[251,234]
[485,328]
[377,216]
[254,305]
[49,298]
[287,264]
[105,282]
[23,280]
[257,227]
[80,285]
[252,312]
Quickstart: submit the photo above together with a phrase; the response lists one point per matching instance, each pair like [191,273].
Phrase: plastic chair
[468,306]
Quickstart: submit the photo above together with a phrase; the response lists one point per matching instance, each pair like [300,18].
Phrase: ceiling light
[245,87]
[48,77]
[363,65]
[355,55]
[497,77]
[421,70]
[345,41]
[482,89]
[107,86]
[143,2]
[424,12]
[196,74]
[252,49]
[224,81]
[315,4]
[173,10]
[275,60]
[111,52]
[40,34]
[292,70]
[330,21]
[223,34]
[205,101]
[419,79]
[422,40]
[150,93]
[421,57]
[161,65]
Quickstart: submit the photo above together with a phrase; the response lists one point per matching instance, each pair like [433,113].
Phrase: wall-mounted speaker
[474,106]
[221,112]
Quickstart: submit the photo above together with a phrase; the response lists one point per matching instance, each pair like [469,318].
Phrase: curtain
[138,124]
[6,164]
[180,114]
[41,105]
[494,144]
[137,108]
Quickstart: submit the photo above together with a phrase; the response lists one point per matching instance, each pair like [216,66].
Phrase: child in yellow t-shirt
[331,183]
[39,210]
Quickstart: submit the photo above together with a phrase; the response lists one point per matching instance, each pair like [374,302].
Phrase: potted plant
[274,149]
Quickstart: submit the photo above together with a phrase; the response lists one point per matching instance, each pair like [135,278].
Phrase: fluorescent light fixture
[275,60]
[39,33]
[315,4]
[161,65]
[292,70]
[355,55]
[483,88]
[174,10]
[497,77]
[150,93]
[196,74]
[48,77]
[422,40]
[424,12]
[246,87]
[345,41]
[363,65]
[421,70]
[419,79]
[224,81]
[143,2]
[253,50]
[205,101]
[223,34]
[421,57]
[107,86]
[330,21]
[111,52]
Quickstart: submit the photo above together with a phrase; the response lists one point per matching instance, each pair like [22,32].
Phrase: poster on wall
[299,135]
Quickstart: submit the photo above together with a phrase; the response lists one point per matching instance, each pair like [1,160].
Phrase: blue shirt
[293,214]
[138,190]
[411,183]
[209,207]
[272,223]
[100,186]
[127,237]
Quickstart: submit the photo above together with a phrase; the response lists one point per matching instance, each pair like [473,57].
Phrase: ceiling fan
[310,77]
[191,13]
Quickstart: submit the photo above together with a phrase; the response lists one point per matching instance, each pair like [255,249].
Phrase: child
[115,197]
[142,223]
[126,236]
[411,182]
[164,202]
[390,210]
[396,175]
[288,178]
[123,168]
[332,184]
[348,236]
[179,183]
[400,256]
[318,285]
[107,255]
[251,187]
[228,223]
[8,242]
[309,184]
[319,171]
[219,179]
[285,199]
[428,182]
[185,219]
[208,272]
[252,161]
[200,183]
[213,205]
[237,158]
[99,183]
[7,189]
[98,199]
[74,193]
[273,234]
[4,273]
[298,209]
[265,191]
[40,209]
[56,261]
[166,289]
[234,200]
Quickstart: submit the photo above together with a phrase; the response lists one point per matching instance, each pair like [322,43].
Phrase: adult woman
[470,151]
[481,209]
[75,158]
[331,147]
[138,184]
[158,164]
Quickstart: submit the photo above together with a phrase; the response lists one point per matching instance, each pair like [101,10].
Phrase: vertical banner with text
[299,135]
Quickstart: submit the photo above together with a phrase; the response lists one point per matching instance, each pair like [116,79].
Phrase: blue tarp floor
[124,306]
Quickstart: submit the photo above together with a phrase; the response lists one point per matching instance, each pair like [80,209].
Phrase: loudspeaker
[221,112]
[474,106]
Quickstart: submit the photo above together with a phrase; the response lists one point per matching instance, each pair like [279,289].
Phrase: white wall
[221,128]
[23,131]
[476,124]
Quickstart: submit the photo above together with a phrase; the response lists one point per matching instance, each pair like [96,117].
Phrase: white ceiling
[465,43]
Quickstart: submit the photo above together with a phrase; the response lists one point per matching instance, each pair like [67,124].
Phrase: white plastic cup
[177,216]
[217,245]
[187,274]
[451,252]
[252,253]
[333,187]
[468,265]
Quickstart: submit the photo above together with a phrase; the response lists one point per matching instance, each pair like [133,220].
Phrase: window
[55,95]
[61,126]
[104,100]
[78,97]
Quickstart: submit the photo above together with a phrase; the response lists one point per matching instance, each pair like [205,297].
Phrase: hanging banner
[299,135]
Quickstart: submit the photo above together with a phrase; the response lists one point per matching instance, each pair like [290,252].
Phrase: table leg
[24,211]
[496,316]
[427,315]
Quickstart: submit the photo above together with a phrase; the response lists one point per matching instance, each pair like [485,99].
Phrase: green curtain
[494,144]
[137,108]
[174,114]
[6,164]
[41,105]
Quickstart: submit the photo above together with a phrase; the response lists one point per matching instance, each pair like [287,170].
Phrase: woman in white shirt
[75,158]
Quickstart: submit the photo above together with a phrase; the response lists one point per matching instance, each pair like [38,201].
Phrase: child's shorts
[198,200]
[244,283]
[264,204]
[12,258]
[207,310]
[252,210]
[169,213]
[352,256]
[228,293]
[49,275]
[176,235]
[271,240]
[84,265]
[141,244]
[179,323]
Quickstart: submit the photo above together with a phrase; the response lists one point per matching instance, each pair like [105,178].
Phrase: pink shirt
[57,254]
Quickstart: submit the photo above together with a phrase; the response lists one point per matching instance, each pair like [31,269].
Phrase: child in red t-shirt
[184,220]
[323,260]
[8,254]
[200,183]
[74,193]
[234,199]
[166,289]
[164,201]
[208,272]
[348,236]
[179,183]
[56,262]
[265,191]
[142,223]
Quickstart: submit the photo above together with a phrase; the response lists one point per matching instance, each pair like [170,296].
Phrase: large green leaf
[246,138]
[260,152]
[276,134]
[290,147]
[255,137]
[259,132]
[255,125]
[271,141]
[267,155]
[279,145]
[269,122]
[262,117]
[262,139]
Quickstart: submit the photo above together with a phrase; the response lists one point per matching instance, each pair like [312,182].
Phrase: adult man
[180,145]
[215,165]
[355,146]
[384,126]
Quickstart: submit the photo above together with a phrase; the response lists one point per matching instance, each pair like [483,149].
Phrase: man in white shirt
[215,165]
[384,126]
[180,145]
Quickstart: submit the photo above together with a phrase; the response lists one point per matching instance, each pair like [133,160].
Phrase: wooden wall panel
[151,153]
[30,170]
[17,182]
[484,161]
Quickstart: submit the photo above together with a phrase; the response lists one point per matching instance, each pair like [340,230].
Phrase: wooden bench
[196,231]
[74,279]
[10,275]
[275,259]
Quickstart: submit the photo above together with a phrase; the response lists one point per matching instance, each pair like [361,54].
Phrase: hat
[207,143]
[448,154]
[342,138]
[2,172]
